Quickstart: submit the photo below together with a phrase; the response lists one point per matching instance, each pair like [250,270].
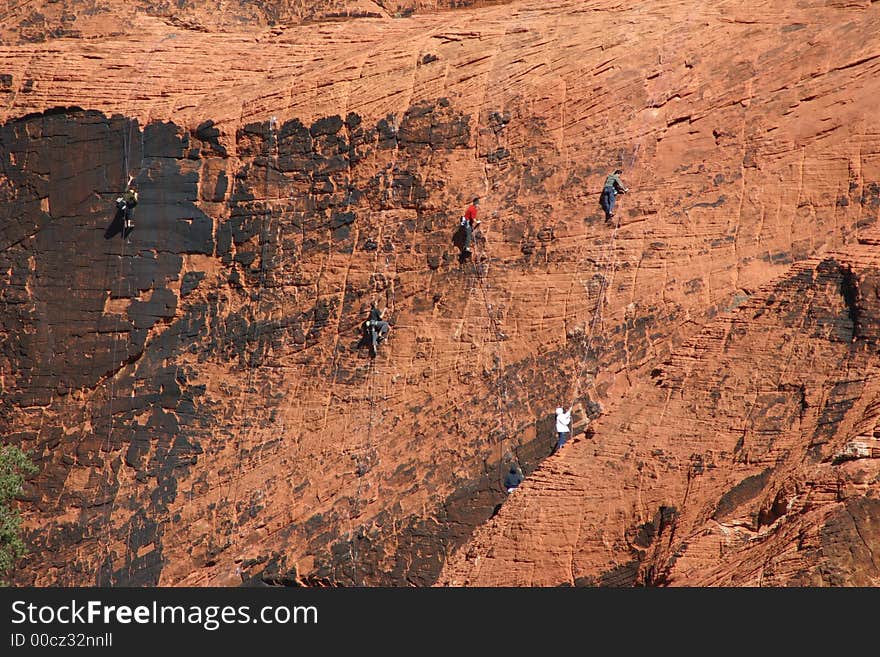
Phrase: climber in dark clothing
[514,478]
[613,187]
[125,204]
[378,332]
[375,329]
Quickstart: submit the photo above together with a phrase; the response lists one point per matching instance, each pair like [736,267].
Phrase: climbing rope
[609,262]
[272,150]
[354,509]
[126,146]
[597,312]
[500,382]
[127,135]
[112,388]
[126,176]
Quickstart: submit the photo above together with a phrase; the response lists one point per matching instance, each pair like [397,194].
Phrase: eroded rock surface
[194,391]
[751,460]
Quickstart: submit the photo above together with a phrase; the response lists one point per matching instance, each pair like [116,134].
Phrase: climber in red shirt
[469,221]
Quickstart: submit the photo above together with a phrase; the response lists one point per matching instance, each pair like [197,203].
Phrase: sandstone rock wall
[195,394]
[750,460]
[37,21]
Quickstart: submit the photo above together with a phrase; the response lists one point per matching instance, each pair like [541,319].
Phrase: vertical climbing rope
[608,266]
[126,176]
[271,151]
[354,509]
[609,262]
[127,135]
[501,385]
[111,391]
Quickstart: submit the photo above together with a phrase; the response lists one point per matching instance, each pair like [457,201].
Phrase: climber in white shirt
[563,426]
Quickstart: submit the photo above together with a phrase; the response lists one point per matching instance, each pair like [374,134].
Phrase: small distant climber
[513,478]
[469,221]
[613,187]
[126,203]
[563,427]
[375,328]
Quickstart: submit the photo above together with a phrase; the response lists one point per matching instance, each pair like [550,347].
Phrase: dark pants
[468,235]
[563,436]
[378,331]
[609,196]
[126,211]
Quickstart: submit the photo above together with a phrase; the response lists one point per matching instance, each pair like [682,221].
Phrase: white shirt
[562,420]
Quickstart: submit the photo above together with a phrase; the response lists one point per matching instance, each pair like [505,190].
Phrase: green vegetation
[14,467]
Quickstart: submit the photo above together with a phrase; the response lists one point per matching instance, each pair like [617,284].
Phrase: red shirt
[471,213]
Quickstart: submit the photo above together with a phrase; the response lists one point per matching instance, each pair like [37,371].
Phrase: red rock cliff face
[37,21]
[195,395]
[750,460]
